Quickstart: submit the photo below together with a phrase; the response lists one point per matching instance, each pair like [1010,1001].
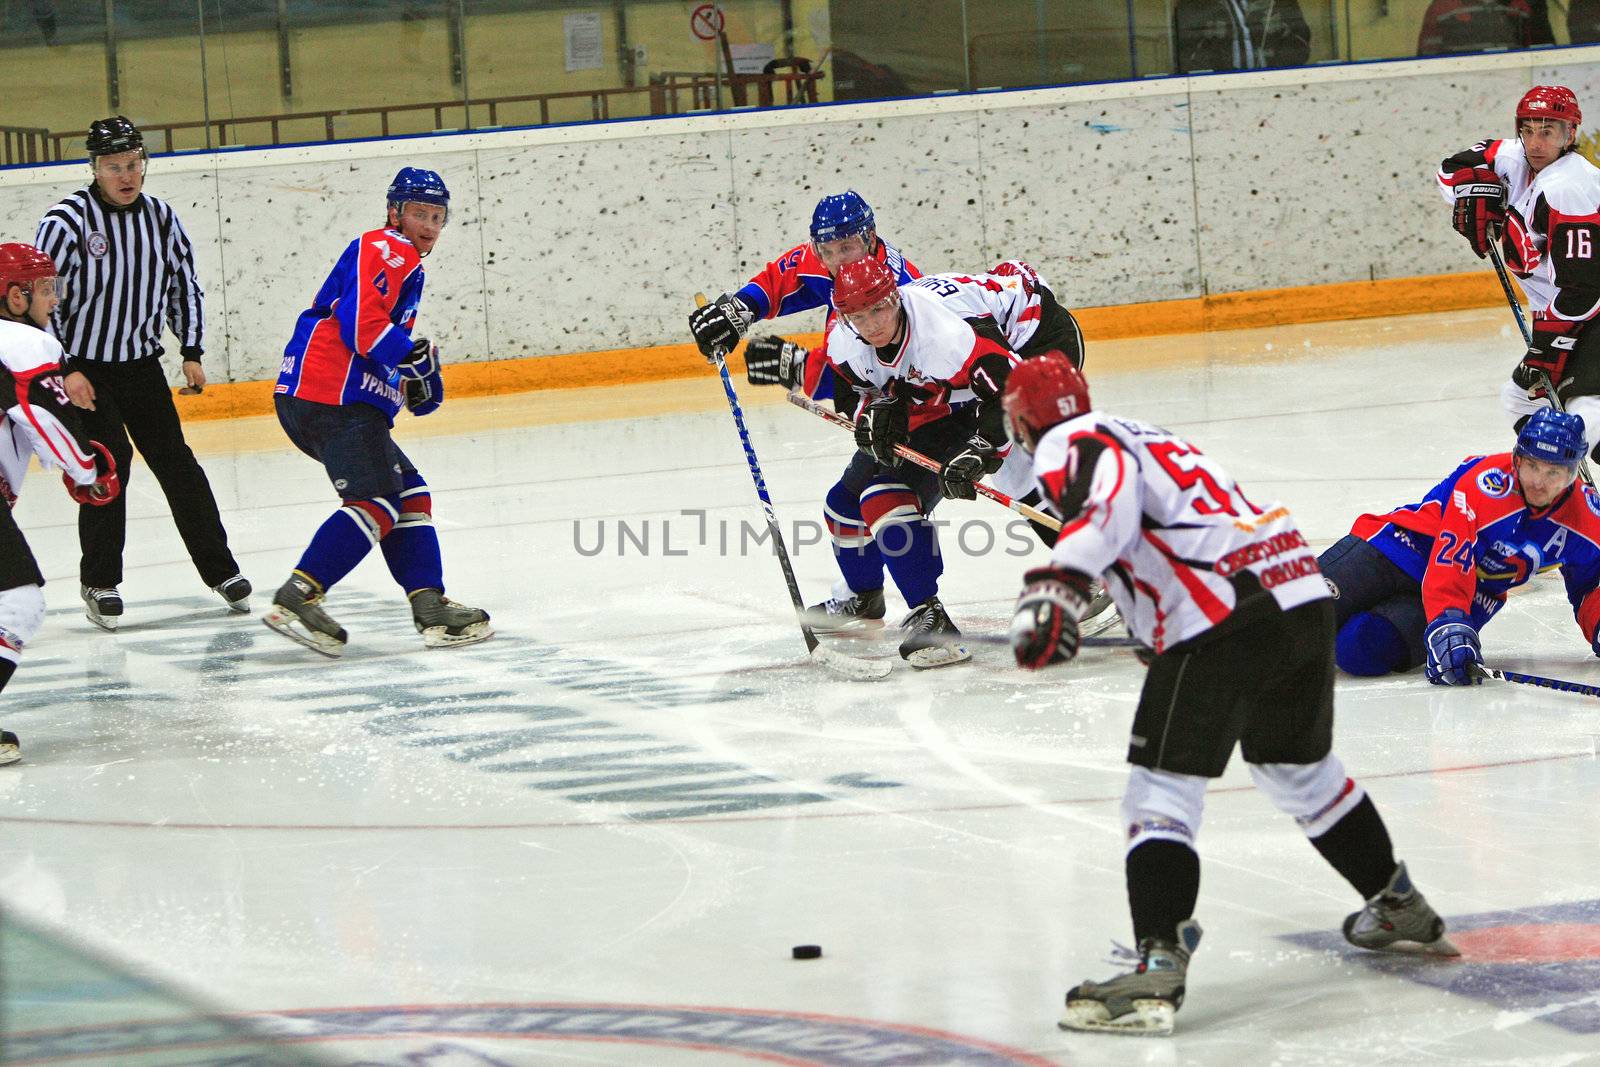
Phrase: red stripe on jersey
[1204,598]
[1030,313]
[22,380]
[325,366]
[1155,600]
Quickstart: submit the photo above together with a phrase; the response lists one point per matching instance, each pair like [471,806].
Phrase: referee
[128,267]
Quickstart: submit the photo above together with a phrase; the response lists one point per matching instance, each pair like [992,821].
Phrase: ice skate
[444,624]
[1143,1001]
[930,639]
[1399,919]
[236,591]
[103,607]
[10,748]
[297,614]
[861,611]
[1101,614]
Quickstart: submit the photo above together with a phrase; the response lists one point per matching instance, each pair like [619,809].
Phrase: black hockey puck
[806,952]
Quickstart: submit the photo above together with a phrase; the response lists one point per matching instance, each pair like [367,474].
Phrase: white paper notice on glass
[583,40]
[749,58]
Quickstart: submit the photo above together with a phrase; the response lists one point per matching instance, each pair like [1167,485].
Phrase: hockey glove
[958,479]
[424,395]
[719,325]
[421,361]
[1547,355]
[1480,206]
[774,361]
[1044,629]
[1454,657]
[884,425]
[106,485]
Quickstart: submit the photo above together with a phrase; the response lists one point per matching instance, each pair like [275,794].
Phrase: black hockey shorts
[17,565]
[352,443]
[1266,685]
[1057,330]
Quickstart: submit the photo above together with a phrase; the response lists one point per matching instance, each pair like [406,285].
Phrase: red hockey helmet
[861,284]
[21,264]
[1550,102]
[1044,391]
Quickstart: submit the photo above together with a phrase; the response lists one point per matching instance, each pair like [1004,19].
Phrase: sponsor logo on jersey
[389,256]
[98,245]
[1591,498]
[1459,499]
[1494,482]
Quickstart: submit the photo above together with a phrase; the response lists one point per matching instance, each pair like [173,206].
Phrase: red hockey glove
[1547,355]
[104,489]
[1480,206]
[1044,629]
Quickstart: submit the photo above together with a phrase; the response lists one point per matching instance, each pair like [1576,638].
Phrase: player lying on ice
[1416,584]
[1239,631]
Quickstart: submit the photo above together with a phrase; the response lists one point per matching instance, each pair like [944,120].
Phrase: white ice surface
[639,792]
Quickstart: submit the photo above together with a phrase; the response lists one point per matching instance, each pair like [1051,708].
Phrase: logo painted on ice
[788,1037]
[1495,483]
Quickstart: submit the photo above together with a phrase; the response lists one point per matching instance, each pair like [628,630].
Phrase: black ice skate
[10,748]
[236,591]
[863,611]
[1143,1001]
[103,607]
[1398,919]
[297,614]
[931,638]
[444,624]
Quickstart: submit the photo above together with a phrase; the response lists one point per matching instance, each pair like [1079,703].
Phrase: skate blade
[857,670]
[1441,947]
[1099,624]
[107,623]
[927,659]
[1149,1018]
[441,637]
[291,627]
[239,607]
[9,754]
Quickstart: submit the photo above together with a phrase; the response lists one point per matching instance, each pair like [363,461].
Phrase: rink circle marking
[1529,943]
[805,1039]
[598,824]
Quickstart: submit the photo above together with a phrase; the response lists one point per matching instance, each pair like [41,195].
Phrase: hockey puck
[806,952]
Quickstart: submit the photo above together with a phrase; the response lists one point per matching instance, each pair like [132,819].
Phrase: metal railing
[665,95]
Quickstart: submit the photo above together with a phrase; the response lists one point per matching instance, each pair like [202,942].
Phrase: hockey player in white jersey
[1238,629]
[38,421]
[925,379]
[1542,199]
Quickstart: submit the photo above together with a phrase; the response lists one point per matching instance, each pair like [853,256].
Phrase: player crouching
[1239,630]
[350,366]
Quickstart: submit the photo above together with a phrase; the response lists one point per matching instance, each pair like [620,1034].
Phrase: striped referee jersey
[127,270]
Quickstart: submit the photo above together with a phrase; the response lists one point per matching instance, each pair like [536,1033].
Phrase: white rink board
[592,237]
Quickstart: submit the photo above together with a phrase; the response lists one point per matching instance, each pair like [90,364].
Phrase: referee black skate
[129,268]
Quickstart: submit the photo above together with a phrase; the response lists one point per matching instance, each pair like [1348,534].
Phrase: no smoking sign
[706,22]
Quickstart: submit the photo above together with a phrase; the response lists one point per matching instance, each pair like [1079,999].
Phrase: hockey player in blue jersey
[350,366]
[1415,585]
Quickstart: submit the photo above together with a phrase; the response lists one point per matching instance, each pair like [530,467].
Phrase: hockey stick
[1083,642]
[1543,380]
[1547,683]
[800,400]
[847,666]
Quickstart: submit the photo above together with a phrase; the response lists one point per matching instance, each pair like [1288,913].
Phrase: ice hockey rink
[595,838]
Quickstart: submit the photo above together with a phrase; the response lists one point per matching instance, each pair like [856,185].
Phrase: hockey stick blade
[857,670]
[1083,642]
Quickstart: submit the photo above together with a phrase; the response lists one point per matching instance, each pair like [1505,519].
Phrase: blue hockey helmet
[413,185]
[840,215]
[1552,436]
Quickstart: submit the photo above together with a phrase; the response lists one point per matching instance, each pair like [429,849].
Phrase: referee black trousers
[133,400]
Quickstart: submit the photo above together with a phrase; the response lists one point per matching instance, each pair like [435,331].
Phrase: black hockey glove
[1044,629]
[959,477]
[1480,206]
[1547,355]
[421,361]
[774,361]
[885,424]
[720,324]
